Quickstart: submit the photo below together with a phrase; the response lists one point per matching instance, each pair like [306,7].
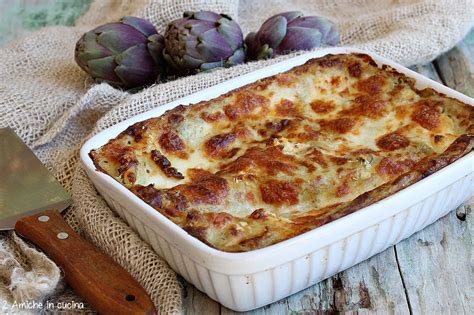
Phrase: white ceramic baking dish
[245,281]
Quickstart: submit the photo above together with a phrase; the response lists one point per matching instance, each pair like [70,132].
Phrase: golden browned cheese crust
[289,153]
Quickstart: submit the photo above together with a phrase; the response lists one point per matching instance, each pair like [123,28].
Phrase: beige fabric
[54,106]
[25,273]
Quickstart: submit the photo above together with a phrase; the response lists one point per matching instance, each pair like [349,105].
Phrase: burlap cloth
[54,107]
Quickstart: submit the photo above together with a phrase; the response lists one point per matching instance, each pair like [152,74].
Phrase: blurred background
[19,16]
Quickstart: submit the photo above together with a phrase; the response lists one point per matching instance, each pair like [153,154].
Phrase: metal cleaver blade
[30,198]
[26,186]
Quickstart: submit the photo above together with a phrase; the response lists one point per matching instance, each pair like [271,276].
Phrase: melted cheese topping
[286,154]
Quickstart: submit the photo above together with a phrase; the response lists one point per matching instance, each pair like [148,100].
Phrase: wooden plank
[196,302]
[436,267]
[456,67]
[371,287]
[428,70]
[436,263]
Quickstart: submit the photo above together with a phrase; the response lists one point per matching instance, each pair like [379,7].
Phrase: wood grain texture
[363,288]
[436,267]
[93,275]
[456,67]
[196,302]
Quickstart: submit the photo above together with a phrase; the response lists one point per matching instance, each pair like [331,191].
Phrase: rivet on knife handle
[95,276]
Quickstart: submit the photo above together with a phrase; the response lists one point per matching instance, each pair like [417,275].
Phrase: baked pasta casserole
[289,153]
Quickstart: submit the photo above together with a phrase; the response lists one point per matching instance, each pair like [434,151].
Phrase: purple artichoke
[289,31]
[201,41]
[125,54]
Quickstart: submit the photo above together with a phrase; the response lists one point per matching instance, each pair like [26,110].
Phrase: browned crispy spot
[172,143]
[208,117]
[438,138]
[280,192]
[231,153]
[242,132]
[366,106]
[286,108]
[165,165]
[195,174]
[262,84]
[335,81]
[316,156]
[322,107]
[131,176]
[250,196]
[427,114]
[199,232]
[256,241]
[175,119]
[338,160]
[127,161]
[194,216]
[245,104]
[402,111]
[114,151]
[173,204]
[364,151]
[216,147]
[329,62]
[285,79]
[343,190]
[306,135]
[372,85]
[137,130]
[270,161]
[211,189]
[259,214]
[340,125]
[392,141]
[219,219]
[390,167]
[355,69]
[396,90]
[277,126]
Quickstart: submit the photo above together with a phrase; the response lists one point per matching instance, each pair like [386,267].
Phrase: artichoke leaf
[119,37]
[133,77]
[141,25]
[273,31]
[236,58]
[300,38]
[198,27]
[232,33]
[136,57]
[190,62]
[87,49]
[155,46]
[135,67]
[208,66]
[291,15]
[213,46]
[265,52]
[204,16]
[103,68]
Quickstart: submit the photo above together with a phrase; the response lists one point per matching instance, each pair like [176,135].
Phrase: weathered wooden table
[431,272]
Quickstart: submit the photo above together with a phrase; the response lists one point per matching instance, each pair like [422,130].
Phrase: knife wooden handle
[103,283]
